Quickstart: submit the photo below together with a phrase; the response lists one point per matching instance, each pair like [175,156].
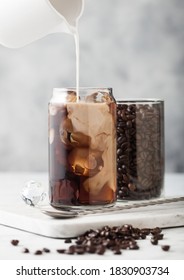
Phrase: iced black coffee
[82,147]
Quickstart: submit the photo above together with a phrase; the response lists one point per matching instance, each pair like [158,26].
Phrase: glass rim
[61,94]
[139,100]
[63,89]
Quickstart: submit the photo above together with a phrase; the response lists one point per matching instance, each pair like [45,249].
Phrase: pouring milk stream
[23,22]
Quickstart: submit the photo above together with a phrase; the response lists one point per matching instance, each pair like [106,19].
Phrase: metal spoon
[58,214]
[66,213]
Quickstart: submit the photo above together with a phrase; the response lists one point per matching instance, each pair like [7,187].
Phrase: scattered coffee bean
[154,241]
[25,250]
[46,250]
[79,249]
[142,236]
[61,251]
[117,252]
[140,153]
[101,250]
[115,239]
[165,247]
[136,236]
[145,231]
[134,247]
[71,250]
[15,242]
[155,231]
[159,236]
[38,252]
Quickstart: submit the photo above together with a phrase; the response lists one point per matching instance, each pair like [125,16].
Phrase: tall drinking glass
[82,147]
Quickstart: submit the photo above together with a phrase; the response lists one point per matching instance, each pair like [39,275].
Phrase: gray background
[134,46]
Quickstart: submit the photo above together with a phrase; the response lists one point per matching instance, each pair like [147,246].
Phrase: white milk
[76,38]
[70,17]
[65,8]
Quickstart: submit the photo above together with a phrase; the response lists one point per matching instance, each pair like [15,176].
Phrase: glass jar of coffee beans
[140,149]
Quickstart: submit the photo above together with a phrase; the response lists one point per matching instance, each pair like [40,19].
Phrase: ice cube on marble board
[33,193]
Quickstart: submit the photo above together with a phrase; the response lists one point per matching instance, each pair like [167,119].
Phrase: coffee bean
[165,247]
[159,236]
[68,240]
[131,187]
[145,231]
[124,246]
[154,241]
[134,247]
[142,236]
[69,252]
[46,250]
[101,250]
[25,250]
[91,249]
[61,251]
[15,242]
[156,231]
[129,124]
[80,250]
[135,236]
[117,252]
[38,252]
[139,150]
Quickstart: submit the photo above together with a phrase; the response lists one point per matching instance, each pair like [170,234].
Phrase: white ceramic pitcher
[24,21]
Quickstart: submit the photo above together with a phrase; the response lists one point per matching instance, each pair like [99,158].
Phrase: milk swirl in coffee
[82,147]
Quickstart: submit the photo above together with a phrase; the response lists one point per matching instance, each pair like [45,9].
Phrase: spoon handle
[65,213]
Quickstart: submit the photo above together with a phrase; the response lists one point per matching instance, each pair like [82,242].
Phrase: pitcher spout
[23,22]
